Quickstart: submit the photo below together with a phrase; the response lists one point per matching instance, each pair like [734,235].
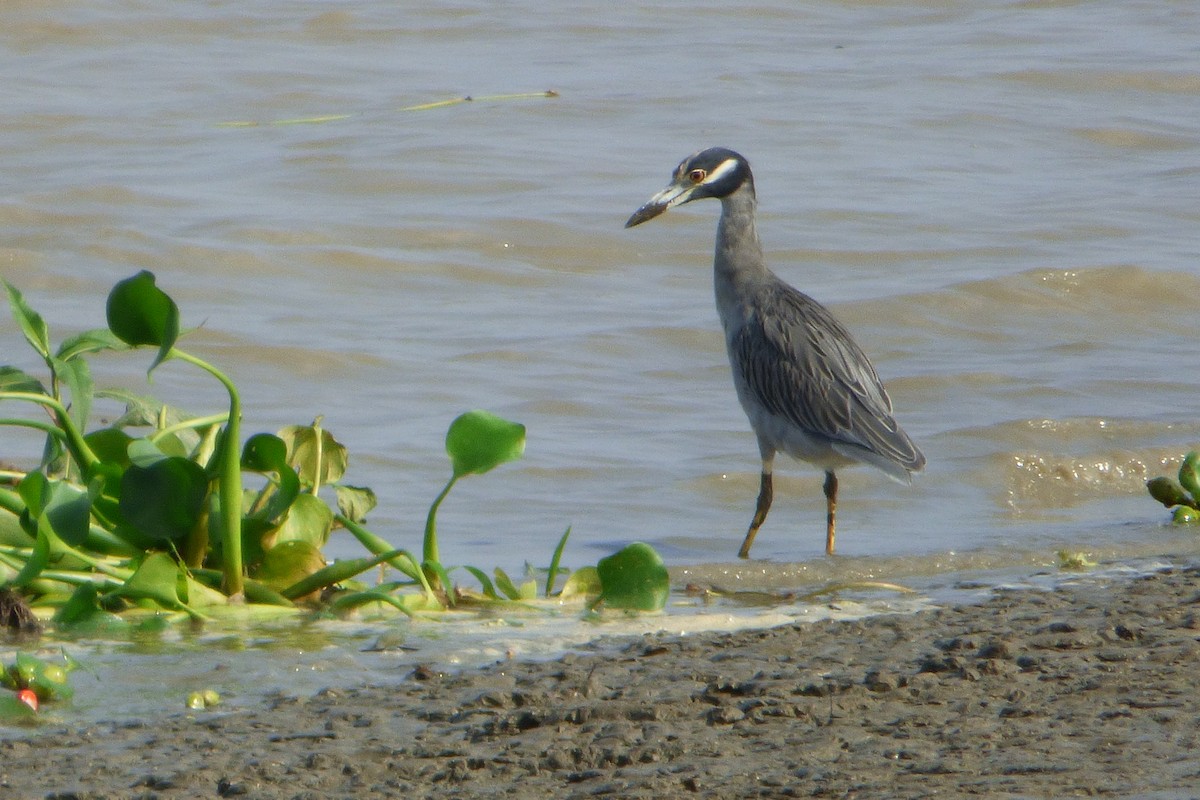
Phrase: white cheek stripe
[723,169]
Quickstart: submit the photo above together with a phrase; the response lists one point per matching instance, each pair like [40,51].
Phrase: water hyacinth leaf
[165,500]
[159,579]
[39,559]
[144,453]
[479,441]
[31,323]
[139,313]
[13,711]
[83,609]
[1185,515]
[355,502]
[14,380]
[104,488]
[110,445]
[268,454]
[1189,474]
[11,532]
[59,507]
[583,582]
[308,520]
[634,578]
[47,679]
[1168,492]
[264,453]
[318,457]
[69,514]
[34,490]
[288,563]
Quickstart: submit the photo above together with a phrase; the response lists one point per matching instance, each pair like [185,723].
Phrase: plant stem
[47,428]
[192,424]
[429,552]
[229,487]
[70,434]
[319,445]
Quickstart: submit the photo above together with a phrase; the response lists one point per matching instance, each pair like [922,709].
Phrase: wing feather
[801,363]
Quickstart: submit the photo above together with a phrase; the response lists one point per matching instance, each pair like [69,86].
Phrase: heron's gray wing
[803,365]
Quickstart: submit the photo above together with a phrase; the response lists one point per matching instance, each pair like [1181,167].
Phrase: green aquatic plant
[31,682]
[1182,496]
[153,511]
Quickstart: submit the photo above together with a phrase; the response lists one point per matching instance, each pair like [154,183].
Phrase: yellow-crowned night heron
[807,388]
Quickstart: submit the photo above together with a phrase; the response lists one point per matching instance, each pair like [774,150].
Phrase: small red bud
[28,697]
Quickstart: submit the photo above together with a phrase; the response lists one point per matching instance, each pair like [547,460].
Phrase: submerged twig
[453,101]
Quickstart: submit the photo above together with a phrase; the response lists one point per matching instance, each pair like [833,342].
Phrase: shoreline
[1086,689]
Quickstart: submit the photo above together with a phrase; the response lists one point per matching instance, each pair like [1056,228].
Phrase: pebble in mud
[1085,690]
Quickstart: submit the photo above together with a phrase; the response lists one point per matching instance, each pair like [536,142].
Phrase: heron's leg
[830,509]
[765,495]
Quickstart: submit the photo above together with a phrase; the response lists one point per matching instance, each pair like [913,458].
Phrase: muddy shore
[1086,690]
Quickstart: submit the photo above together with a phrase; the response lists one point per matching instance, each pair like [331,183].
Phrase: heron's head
[716,172]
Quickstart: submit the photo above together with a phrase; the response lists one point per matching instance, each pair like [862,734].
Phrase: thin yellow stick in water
[420,107]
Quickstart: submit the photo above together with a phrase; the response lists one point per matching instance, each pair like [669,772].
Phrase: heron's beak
[673,195]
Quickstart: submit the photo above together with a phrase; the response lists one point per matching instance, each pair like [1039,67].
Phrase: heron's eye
[697,175]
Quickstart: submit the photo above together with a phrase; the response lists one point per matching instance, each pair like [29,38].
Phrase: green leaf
[1189,474]
[634,578]
[526,591]
[83,608]
[159,579]
[96,340]
[32,325]
[34,490]
[1185,515]
[408,604]
[39,559]
[308,520]
[47,679]
[1168,492]
[505,584]
[378,545]
[479,441]
[264,453]
[57,506]
[355,502]
[69,513]
[583,582]
[14,712]
[165,500]
[110,445]
[318,457]
[139,313]
[337,572]
[262,594]
[144,453]
[552,572]
[78,379]
[489,590]
[14,380]
[288,563]
[268,454]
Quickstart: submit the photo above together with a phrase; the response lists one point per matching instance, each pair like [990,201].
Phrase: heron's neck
[738,266]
